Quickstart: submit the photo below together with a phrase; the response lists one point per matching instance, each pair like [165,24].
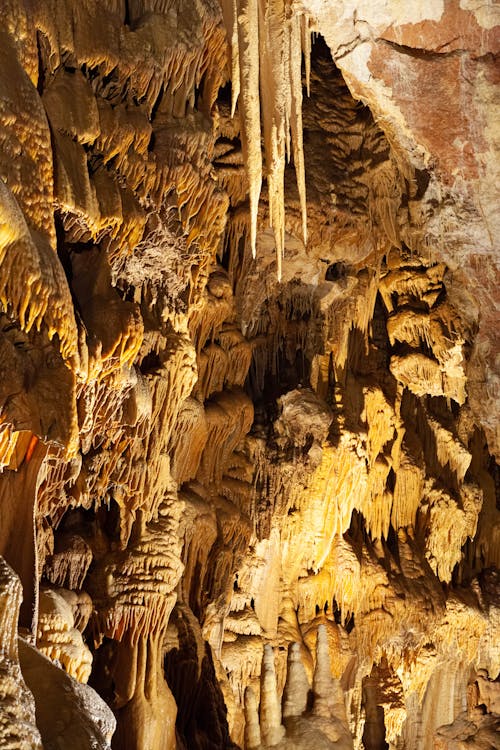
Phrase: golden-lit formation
[249,375]
[267,41]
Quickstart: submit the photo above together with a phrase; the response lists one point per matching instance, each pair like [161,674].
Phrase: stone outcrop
[249,369]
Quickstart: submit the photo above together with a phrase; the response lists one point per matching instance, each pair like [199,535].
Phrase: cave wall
[249,359]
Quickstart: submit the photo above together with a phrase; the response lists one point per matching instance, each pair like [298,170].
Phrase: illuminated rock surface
[249,375]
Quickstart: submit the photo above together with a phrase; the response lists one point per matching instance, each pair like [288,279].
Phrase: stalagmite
[17,706]
[270,709]
[322,682]
[297,684]
[252,726]
[59,639]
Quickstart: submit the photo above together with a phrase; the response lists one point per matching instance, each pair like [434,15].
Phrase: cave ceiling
[249,375]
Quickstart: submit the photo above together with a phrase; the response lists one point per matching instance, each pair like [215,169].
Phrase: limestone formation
[249,375]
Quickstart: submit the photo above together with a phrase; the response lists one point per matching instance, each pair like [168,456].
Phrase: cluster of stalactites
[267,40]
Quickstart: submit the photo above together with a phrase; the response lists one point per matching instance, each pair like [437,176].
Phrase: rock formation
[249,373]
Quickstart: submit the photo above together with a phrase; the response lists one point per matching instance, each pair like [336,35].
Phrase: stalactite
[408,490]
[189,442]
[230,11]
[229,417]
[248,55]
[269,51]
[448,449]
[42,297]
[69,563]
[455,520]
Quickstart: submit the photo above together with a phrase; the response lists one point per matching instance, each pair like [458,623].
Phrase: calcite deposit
[249,375]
